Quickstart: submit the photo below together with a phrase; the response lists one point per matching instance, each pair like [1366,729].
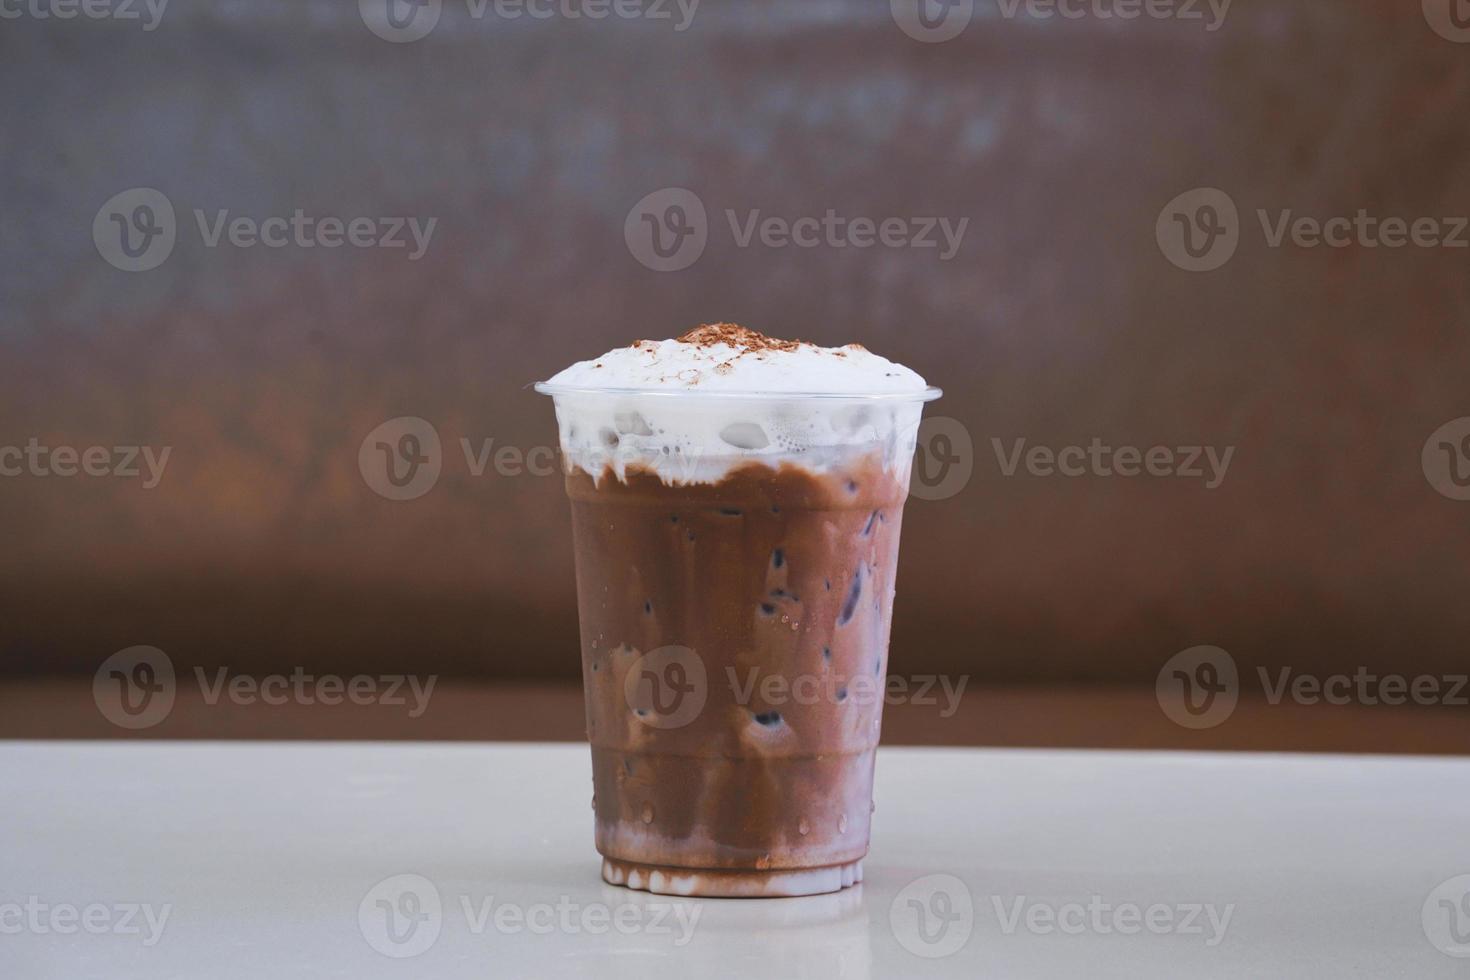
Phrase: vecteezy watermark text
[1207,463]
[403,21]
[668,687]
[1200,687]
[668,230]
[935,915]
[778,690]
[1362,229]
[136,230]
[1364,687]
[299,687]
[148,12]
[136,688]
[43,918]
[1211,13]
[34,459]
[680,12]
[944,460]
[307,231]
[1200,230]
[833,230]
[403,916]
[935,21]
[1103,918]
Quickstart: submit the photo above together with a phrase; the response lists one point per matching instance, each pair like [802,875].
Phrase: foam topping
[610,417]
[729,358]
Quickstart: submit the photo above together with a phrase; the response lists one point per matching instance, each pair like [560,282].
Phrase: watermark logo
[1198,688]
[135,229]
[667,230]
[1450,19]
[932,21]
[1199,230]
[1446,917]
[667,687]
[933,916]
[944,459]
[401,458]
[1446,459]
[135,688]
[400,21]
[401,916]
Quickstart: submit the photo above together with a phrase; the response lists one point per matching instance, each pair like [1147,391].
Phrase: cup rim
[928,394]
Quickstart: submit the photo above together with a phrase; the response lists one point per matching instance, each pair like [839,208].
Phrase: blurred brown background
[1060,319]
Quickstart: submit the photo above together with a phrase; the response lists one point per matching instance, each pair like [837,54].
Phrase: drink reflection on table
[820,936]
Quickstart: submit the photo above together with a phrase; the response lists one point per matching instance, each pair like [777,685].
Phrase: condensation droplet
[842,824]
[803,828]
[648,813]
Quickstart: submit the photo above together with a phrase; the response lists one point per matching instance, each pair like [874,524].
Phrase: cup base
[707,883]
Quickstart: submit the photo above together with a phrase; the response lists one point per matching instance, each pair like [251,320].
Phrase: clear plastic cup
[735,558]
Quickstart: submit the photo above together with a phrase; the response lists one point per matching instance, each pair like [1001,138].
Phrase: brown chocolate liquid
[780,581]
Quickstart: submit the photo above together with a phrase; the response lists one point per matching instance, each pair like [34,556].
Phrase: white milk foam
[691,412]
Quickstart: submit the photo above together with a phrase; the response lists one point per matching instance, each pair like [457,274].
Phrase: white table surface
[263,855]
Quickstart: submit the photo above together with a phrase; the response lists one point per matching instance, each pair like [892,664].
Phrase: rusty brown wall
[1059,319]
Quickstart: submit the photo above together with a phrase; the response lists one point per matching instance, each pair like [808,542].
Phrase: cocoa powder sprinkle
[744,339]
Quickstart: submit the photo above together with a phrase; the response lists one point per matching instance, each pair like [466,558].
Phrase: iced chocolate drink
[736,504]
